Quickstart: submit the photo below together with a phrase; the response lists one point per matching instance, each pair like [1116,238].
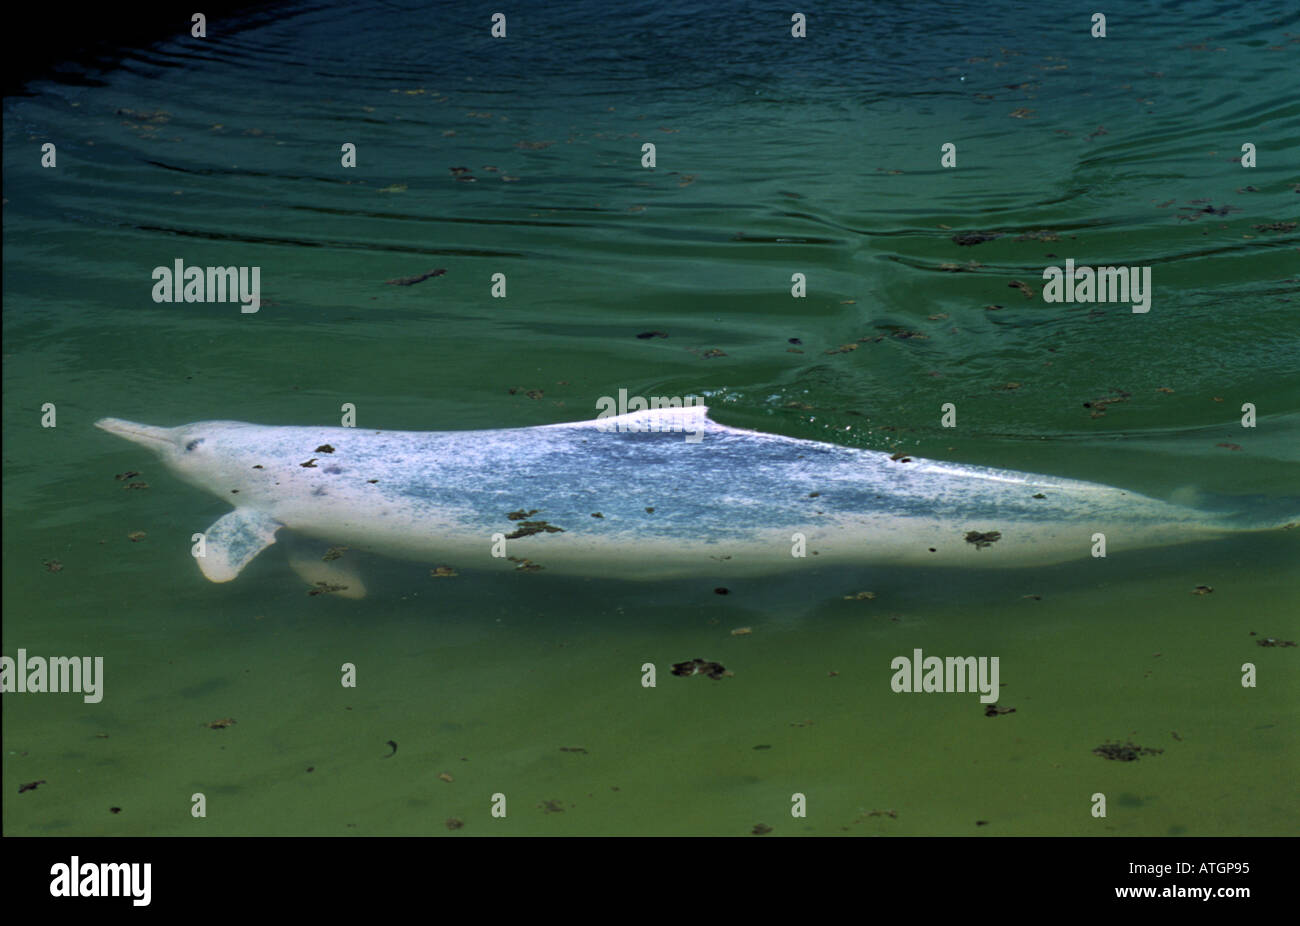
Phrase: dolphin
[660,493]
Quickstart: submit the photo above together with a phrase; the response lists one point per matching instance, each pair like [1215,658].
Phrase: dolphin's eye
[194,443]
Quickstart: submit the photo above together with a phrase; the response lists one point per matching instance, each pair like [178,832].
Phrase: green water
[821,159]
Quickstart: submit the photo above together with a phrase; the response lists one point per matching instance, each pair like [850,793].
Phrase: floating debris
[220,724]
[325,588]
[528,528]
[393,744]
[842,349]
[156,115]
[455,823]
[129,474]
[645,335]
[136,536]
[713,670]
[333,553]
[1126,752]
[324,448]
[442,572]
[973,238]
[713,352]
[982,540]
[1229,446]
[895,331]
[573,749]
[310,464]
[1202,590]
[1275,227]
[993,710]
[760,829]
[446,776]
[524,565]
[1099,405]
[742,631]
[900,457]
[1023,287]
[418,278]
[31,785]
[136,485]
[52,565]
[1272,641]
[521,514]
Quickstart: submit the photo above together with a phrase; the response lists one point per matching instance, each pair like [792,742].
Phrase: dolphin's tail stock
[1252,512]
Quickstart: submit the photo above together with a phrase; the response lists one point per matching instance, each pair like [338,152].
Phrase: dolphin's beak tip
[144,434]
[112,425]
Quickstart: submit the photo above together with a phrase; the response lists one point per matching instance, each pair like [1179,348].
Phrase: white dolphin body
[735,502]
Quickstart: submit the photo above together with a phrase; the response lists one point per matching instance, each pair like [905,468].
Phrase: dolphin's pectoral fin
[334,576]
[233,540]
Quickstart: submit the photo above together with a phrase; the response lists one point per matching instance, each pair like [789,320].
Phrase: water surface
[775,156]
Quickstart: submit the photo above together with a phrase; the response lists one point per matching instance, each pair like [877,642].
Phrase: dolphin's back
[575,494]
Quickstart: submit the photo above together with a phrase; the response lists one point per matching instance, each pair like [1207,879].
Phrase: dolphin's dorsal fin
[233,540]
